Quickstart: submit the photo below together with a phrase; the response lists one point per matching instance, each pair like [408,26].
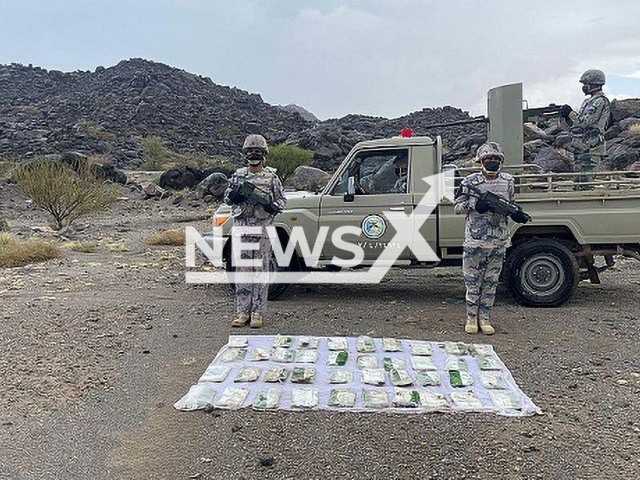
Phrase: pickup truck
[573,223]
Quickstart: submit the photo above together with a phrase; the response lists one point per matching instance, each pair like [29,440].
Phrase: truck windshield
[376,172]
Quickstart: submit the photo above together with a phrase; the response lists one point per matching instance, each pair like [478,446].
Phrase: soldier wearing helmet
[589,124]
[486,236]
[251,296]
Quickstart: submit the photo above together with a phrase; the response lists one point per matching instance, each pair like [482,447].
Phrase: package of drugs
[232,398]
[391,345]
[400,377]
[421,349]
[259,354]
[456,348]
[304,398]
[337,343]
[480,349]
[423,364]
[428,379]
[375,399]
[342,398]
[337,358]
[283,355]
[267,399]
[404,397]
[238,341]
[199,396]
[488,363]
[340,375]
[215,373]
[505,400]
[493,380]
[466,399]
[307,355]
[367,361]
[233,355]
[373,376]
[308,342]
[433,401]
[248,374]
[276,374]
[456,363]
[303,374]
[460,378]
[389,362]
[365,344]
[282,341]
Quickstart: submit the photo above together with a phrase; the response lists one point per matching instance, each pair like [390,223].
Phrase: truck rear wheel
[541,273]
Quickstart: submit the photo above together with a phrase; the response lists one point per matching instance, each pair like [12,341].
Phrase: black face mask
[254,156]
[492,166]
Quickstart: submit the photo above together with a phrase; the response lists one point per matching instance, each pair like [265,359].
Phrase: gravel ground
[96,348]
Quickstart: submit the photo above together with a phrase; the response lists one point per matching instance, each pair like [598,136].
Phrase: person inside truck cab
[384,173]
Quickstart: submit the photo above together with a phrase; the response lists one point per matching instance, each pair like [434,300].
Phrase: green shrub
[286,158]
[155,155]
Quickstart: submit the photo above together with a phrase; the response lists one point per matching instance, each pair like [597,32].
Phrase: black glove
[482,206]
[235,196]
[565,110]
[519,217]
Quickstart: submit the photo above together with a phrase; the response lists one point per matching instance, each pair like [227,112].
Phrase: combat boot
[472,324]
[256,320]
[486,327]
[241,320]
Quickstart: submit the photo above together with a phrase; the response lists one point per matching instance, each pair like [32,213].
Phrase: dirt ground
[96,348]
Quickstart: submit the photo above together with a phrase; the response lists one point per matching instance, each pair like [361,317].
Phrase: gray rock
[621,156]
[551,160]
[179,178]
[621,109]
[309,178]
[214,185]
[151,190]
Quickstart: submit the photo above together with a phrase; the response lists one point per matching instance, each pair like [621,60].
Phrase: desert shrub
[634,128]
[155,155]
[7,168]
[286,158]
[84,247]
[16,253]
[63,193]
[167,237]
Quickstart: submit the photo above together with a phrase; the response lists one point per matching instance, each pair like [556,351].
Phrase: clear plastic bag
[282,341]
[456,348]
[466,400]
[267,399]
[338,358]
[460,378]
[238,341]
[259,354]
[342,398]
[233,355]
[480,349]
[199,396]
[391,345]
[375,399]
[403,397]
[367,361]
[307,356]
[493,380]
[232,398]
[276,374]
[303,375]
[400,377]
[304,398]
[248,374]
[308,342]
[340,375]
[423,364]
[421,349]
[488,363]
[215,373]
[390,362]
[337,343]
[365,344]
[283,355]
[456,363]
[373,376]
[433,401]
[429,379]
[505,400]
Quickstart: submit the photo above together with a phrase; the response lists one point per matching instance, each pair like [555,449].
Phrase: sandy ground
[97,347]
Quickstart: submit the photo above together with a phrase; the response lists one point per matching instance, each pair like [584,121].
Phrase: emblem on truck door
[374,226]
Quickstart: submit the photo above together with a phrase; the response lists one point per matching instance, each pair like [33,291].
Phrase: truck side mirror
[351,190]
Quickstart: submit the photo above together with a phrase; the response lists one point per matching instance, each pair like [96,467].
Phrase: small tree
[286,158]
[155,155]
[63,193]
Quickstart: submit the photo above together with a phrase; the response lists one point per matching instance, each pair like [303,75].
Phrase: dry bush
[16,253]
[174,237]
[7,167]
[634,128]
[118,246]
[63,193]
[83,247]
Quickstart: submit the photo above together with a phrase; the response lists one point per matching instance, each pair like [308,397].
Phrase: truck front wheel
[541,273]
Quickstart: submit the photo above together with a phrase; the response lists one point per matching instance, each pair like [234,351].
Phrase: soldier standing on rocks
[588,125]
[251,294]
[486,236]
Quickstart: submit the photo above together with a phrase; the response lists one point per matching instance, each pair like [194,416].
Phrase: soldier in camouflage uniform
[588,125]
[251,293]
[486,236]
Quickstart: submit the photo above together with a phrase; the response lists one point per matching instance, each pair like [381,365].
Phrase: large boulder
[621,156]
[621,109]
[179,178]
[552,160]
[109,172]
[531,149]
[214,185]
[309,178]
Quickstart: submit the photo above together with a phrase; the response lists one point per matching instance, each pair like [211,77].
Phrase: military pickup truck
[573,223]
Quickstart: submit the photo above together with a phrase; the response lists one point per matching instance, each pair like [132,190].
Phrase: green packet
[390,363]
[400,377]
[303,374]
[338,358]
[460,378]
[403,397]
[342,398]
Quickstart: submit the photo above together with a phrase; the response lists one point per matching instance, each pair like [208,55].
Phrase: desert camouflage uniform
[588,144]
[251,296]
[486,239]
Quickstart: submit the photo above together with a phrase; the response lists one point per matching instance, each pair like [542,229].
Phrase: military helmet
[489,149]
[255,141]
[593,77]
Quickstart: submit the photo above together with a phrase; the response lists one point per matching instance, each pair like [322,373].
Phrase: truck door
[381,185]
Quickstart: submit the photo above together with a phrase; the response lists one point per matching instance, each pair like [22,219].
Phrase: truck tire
[541,273]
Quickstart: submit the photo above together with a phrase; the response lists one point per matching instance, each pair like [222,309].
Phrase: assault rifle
[246,192]
[551,110]
[500,204]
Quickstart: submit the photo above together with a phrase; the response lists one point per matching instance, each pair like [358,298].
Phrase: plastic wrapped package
[308,342]
[391,345]
[421,349]
[340,375]
[456,348]
[404,397]
[423,364]
[342,398]
[375,399]
[400,377]
[433,401]
[307,356]
[231,398]
[199,396]
[373,376]
[460,378]
[365,344]
[304,398]
[428,379]
[390,362]
[337,358]
[259,354]
[233,355]
[238,341]
[337,343]
[276,374]
[367,361]
[248,374]
[303,374]
[480,349]
[215,373]
[488,363]
[456,363]
[268,399]
[282,341]
[505,400]
[283,355]
[493,381]
[466,400]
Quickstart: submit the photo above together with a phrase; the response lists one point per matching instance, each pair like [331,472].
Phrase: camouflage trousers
[481,267]
[251,292]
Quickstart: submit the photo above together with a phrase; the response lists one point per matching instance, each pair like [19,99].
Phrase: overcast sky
[376,57]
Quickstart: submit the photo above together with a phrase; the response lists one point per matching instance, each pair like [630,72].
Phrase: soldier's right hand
[482,206]
[565,111]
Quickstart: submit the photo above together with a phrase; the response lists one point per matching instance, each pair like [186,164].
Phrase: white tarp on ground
[375,375]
